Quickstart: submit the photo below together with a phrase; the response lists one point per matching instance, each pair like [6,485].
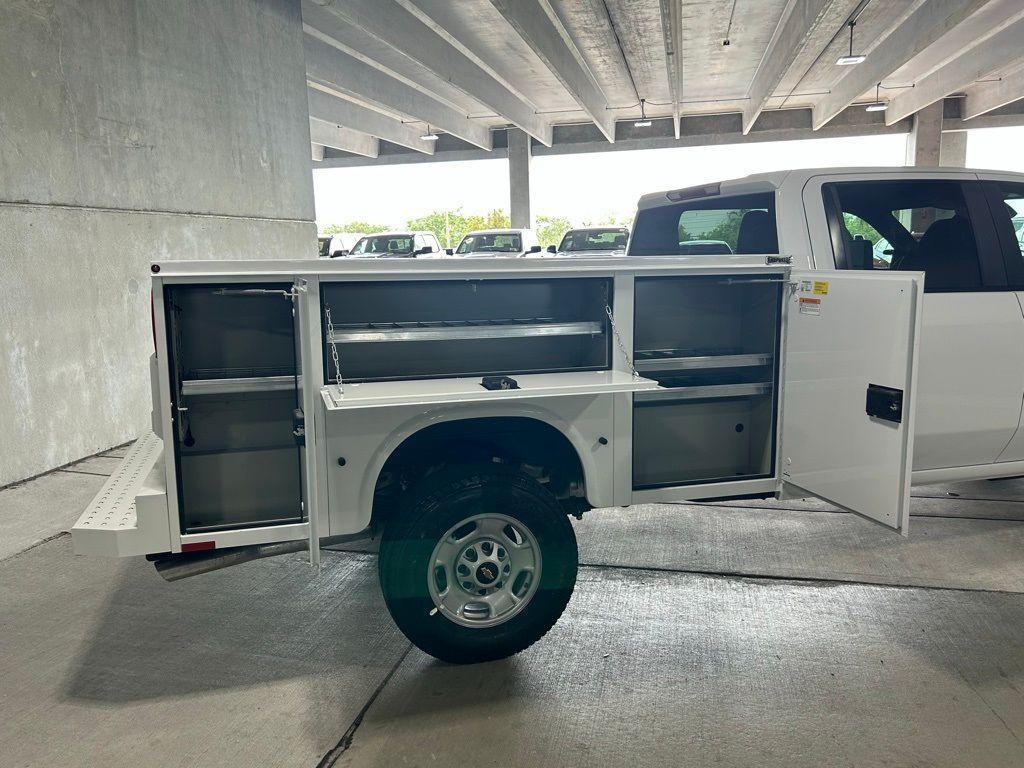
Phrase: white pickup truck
[463,410]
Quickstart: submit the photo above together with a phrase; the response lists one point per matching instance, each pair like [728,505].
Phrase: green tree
[855,225]
[497,219]
[355,226]
[451,226]
[551,229]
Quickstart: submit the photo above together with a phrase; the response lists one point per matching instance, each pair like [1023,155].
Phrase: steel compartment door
[307,356]
[848,391]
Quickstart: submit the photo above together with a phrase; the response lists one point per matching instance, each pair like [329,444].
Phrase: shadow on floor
[240,627]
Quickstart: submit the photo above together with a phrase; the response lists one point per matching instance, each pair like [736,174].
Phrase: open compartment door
[305,298]
[848,392]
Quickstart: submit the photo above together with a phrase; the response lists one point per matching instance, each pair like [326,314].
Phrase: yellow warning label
[821,288]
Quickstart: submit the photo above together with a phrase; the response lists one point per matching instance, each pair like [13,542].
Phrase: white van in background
[333,246]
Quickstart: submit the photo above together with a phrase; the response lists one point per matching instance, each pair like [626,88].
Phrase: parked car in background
[402,245]
[498,243]
[593,241]
[339,244]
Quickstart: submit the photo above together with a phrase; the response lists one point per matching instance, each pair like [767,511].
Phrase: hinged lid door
[848,392]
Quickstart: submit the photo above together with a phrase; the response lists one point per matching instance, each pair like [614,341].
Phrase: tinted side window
[1007,203]
[717,225]
[918,226]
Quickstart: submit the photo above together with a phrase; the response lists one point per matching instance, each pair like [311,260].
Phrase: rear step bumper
[129,514]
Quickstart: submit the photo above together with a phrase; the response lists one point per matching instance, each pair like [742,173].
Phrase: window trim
[991,258]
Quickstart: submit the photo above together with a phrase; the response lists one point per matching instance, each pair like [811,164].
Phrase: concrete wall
[131,131]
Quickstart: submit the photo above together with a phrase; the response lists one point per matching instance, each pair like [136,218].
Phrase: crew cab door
[848,390]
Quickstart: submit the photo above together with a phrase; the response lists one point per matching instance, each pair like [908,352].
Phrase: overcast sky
[590,187]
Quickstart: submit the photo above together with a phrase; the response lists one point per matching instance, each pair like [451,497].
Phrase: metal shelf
[455,330]
[673,360]
[704,392]
[238,385]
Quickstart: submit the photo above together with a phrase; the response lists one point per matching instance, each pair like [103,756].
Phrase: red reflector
[198,546]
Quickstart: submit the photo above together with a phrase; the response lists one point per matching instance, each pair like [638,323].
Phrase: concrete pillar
[953,149]
[132,133]
[925,137]
[519,178]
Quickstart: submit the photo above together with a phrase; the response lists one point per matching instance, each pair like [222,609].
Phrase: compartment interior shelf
[702,392]
[469,389]
[240,385]
[680,360]
[452,330]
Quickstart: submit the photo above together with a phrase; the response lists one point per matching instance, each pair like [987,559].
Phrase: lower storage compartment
[238,462]
[680,440]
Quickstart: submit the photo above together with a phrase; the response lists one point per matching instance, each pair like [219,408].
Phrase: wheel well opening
[532,446]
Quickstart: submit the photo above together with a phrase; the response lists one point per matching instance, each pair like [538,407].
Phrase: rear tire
[459,562]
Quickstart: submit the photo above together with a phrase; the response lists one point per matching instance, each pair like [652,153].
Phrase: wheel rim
[484,570]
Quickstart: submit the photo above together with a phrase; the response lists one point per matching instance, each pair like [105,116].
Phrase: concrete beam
[542,30]
[342,72]
[789,39]
[519,154]
[334,109]
[345,139]
[317,152]
[997,51]
[910,35]
[672,35]
[985,97]
[696,131]
[395,26]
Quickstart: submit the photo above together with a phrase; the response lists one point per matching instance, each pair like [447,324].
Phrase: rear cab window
[939,227]
[740,224]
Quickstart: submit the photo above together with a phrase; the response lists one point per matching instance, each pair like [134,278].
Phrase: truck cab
[959,227]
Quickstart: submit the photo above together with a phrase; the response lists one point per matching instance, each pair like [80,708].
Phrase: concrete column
[925,137]
[927,145]
[519,178]
[132,133]
[953,149]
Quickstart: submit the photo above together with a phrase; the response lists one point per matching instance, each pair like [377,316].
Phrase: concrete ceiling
[467,67]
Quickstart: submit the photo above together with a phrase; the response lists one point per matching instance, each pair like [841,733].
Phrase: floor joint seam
[30,547]
[797,579]
[83,472]
[345,741]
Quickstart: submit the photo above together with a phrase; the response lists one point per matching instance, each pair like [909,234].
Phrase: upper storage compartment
[418,329]
[693,323]
[223,334]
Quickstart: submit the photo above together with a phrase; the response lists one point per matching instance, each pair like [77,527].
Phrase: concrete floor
[785,634]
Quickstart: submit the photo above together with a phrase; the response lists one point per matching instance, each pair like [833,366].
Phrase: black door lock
[885,403]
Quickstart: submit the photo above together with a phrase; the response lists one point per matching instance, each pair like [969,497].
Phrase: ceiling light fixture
[643,122]
[877,105]
[429,135]
[851,58]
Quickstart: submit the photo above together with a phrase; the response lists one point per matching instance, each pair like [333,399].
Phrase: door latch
[299,427]
[885,403]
